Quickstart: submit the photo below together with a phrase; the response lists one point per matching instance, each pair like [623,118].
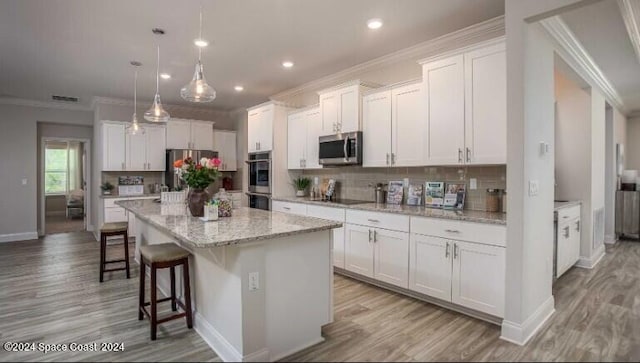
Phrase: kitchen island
[261,281]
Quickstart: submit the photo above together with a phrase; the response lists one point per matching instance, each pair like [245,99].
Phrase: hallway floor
[61,224]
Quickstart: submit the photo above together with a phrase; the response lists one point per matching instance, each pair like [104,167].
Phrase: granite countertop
[246,224]
[557,205]
[145,195]
[419,211]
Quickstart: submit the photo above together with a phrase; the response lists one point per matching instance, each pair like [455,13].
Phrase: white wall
[19,203]
[632,148]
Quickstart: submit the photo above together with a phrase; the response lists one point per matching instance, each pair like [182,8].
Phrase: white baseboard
[521,333]
[12,237]
[90,228]
[295,350]
[591,262]
[610,239]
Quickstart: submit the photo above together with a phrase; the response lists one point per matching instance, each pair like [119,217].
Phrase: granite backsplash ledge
[357,182]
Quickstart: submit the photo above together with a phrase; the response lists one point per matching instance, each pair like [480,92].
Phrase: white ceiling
[601,30]
[82,48]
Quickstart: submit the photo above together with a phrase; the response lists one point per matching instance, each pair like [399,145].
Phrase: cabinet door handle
[123,166]
[286,208]
[577,226]
[387,158]
[566,232]
[455,250]
[459,155]
[468,155]
[373,220]
[393,158]
[447,250]
[452,231]
[369,235]
[375,236]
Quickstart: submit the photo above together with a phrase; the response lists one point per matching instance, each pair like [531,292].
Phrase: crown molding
[571,50]
[43,104]
[169,107]
[271,102]
[392,86]
[630,10]
[355,82]
[633,114]
[491,28]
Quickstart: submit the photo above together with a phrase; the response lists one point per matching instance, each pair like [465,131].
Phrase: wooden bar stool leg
[143,271]
[187,292]
[172,273]
[154,303]
[103,247]
[126,251]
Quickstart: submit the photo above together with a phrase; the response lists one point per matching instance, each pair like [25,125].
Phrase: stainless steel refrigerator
[170,178]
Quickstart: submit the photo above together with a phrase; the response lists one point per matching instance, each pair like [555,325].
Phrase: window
[55,173]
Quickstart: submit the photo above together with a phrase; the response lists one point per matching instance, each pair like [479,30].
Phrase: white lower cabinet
[430,266]
[358,250]
[390,257]
[467,274]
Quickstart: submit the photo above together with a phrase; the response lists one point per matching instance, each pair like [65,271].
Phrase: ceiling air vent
[64,98]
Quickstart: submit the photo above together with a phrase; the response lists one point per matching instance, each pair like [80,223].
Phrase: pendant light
[198,90]
[157,113]
[135,128]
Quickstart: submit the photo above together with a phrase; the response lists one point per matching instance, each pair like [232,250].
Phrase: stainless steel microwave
[341,149]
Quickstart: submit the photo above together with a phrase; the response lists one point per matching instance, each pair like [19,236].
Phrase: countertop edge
[362,207]
[561,205]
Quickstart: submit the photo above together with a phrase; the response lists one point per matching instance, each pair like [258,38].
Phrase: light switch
[534,188]
[24,181]
[473,183]
[254,281]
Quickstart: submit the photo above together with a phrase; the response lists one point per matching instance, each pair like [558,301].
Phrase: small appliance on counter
[130,185]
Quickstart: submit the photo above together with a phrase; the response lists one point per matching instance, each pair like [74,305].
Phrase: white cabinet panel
[486,233]
[479,277]
[291,208]
[224,142]
[113,147]
[359,250]
[178,134]
[296,140]
[136,151]
[156,148]
[329,112]
[115,214]
[201,135]
[444,91]
[486,105]
[395,222]
[260,129]
[349,109]
[391,262]
[314,130]
[253,130]
[333,214]
[376,126]
[430,266]
[408,132]
[568,246]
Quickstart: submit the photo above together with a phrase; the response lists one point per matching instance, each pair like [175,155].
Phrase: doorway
[64,182]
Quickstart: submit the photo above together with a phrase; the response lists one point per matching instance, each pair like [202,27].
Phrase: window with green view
[56,172]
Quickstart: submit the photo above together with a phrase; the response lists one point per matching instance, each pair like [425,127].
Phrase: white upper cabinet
[189,134]
[314,130]
[141,152]
[224,142]
[486,105]
[376,128]
[340,109]
[466,107]
[444,91]
[296,140]
[113,147]
[303,130]
[260,128]
[408,125]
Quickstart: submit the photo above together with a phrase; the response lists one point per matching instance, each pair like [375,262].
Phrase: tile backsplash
[358,182]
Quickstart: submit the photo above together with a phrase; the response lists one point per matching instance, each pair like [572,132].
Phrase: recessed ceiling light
[287,64]
[200,43]
[374,23]
[238,88]
[165,75]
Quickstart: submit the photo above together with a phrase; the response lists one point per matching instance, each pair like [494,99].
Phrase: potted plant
[107,188]
[301,184]
[198,176]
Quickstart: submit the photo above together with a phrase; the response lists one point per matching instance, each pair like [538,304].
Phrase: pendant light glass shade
[198,90]
[135,128]
[157,113]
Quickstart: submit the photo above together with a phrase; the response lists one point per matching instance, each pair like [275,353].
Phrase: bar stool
[165,255]
[110,230]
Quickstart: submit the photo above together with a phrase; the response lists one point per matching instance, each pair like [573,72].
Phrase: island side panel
[298,289]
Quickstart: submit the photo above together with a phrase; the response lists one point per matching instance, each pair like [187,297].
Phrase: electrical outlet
[24,181]
[473,183]
[254,281]
[534,188]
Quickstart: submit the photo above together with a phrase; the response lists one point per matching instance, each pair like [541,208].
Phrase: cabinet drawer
[569,213]
[462,231]
[380,220]
[332,214]
[111,202]
[292,208]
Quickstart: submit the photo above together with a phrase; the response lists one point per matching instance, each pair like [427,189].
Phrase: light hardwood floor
[49,292]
